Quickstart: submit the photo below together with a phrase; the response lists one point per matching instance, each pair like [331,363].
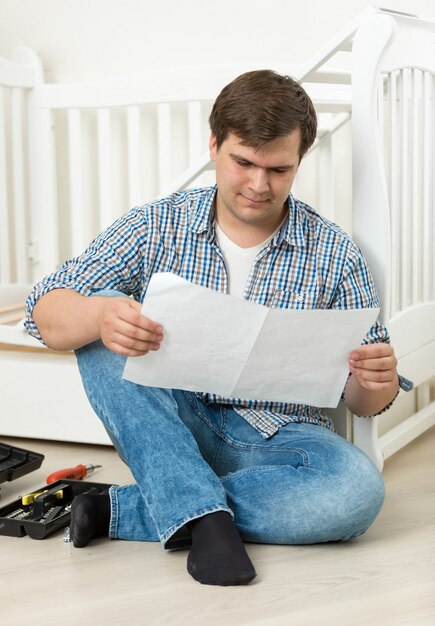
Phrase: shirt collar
[203,220]
[291,231]
[204,215]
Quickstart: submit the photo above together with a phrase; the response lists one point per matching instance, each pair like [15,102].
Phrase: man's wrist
[402,383]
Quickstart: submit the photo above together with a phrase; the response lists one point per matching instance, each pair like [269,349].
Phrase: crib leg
[365,436]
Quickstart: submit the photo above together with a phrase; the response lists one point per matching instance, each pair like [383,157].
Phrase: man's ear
[212,144]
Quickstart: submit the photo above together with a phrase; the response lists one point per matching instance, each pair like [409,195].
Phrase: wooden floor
[386,577]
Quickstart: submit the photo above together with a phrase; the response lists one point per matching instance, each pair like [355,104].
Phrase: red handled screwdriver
[74,473]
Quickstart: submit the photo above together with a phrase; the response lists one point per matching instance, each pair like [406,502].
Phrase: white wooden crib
[74,157]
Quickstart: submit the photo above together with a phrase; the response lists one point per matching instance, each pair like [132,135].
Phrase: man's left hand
[374,366]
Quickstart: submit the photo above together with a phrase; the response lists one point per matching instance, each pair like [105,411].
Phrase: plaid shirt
[310,263]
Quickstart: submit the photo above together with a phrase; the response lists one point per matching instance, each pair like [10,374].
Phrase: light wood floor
[386,577]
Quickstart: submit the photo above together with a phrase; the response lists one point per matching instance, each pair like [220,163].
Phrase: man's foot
[218,556]
[90,518]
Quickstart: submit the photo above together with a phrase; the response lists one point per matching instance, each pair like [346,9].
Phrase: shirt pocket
[286,299]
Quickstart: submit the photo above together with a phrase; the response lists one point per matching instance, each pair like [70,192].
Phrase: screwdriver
[75,473]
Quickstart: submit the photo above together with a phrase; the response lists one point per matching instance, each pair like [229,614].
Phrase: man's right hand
[68,320]
[125,330]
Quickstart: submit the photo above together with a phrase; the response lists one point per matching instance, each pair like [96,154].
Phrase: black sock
[90,517]
[218,556]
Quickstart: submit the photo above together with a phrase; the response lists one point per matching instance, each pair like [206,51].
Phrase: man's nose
[259,182]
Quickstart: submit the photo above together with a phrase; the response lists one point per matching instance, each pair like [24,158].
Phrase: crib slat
[18,179]
[404,252]
[164,144]
[194,131]
[432,207]
[393,192]
[78,236]
[104,167]
[326,179]
[428,187]
[133,155]
[380,108]
[415,247]
[5,265]
[45,211]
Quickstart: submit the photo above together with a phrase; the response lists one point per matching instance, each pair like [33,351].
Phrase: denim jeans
[303,485]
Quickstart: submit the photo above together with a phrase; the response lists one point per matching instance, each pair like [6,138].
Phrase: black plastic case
[49,511]
[16,462]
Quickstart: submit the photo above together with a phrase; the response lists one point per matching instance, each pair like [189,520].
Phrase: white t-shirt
[238,261]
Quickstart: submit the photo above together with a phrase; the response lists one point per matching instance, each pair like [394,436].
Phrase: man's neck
[245,238]
[247,235]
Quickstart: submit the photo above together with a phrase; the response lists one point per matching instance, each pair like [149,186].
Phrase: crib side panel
[393,115]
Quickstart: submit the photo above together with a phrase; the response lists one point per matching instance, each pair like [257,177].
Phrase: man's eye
[244,163]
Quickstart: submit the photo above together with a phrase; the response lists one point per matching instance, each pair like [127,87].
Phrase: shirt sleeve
[113,260]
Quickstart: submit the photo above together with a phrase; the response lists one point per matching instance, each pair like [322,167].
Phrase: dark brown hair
[260,106]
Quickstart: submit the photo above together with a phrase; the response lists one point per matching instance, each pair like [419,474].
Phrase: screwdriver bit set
[46,510]
[16,462]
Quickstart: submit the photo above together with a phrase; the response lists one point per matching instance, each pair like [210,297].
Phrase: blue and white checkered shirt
[310,263]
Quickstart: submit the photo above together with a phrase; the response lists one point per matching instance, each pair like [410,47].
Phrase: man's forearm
[366,402]
[68,320]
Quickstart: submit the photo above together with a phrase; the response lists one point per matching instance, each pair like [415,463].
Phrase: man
[211,471]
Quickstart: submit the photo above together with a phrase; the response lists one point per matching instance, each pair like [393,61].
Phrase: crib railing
[103,147]
[394,201]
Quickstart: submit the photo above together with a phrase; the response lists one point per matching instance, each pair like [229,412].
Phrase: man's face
[253,184]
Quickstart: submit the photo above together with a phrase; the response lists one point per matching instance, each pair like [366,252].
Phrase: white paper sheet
[220,344]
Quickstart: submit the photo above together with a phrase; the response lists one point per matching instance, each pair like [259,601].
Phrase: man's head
[261,106]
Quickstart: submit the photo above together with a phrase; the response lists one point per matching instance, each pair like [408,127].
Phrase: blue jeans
[303,485]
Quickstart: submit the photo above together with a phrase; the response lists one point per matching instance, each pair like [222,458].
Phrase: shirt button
[300,298]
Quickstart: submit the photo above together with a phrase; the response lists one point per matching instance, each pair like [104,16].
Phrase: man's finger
[372,351]
[132,343]
[379,376]
[120,349]
[382,363]
[137,333]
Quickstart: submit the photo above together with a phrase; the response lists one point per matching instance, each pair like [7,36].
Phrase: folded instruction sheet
[220,344]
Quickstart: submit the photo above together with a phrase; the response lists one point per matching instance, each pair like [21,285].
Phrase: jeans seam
[220,439]
[242,446]
[204,418]
[114,512]
[250,470]
[188,518]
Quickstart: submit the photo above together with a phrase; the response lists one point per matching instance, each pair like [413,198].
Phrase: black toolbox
[16,462]
[46,510]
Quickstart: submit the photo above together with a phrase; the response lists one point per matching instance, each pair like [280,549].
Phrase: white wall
[87,39]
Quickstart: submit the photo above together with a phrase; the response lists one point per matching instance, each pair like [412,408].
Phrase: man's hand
[374,366]
[125,330]
[68,320]
[374,382]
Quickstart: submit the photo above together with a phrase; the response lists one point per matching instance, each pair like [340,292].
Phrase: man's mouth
[255,200]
